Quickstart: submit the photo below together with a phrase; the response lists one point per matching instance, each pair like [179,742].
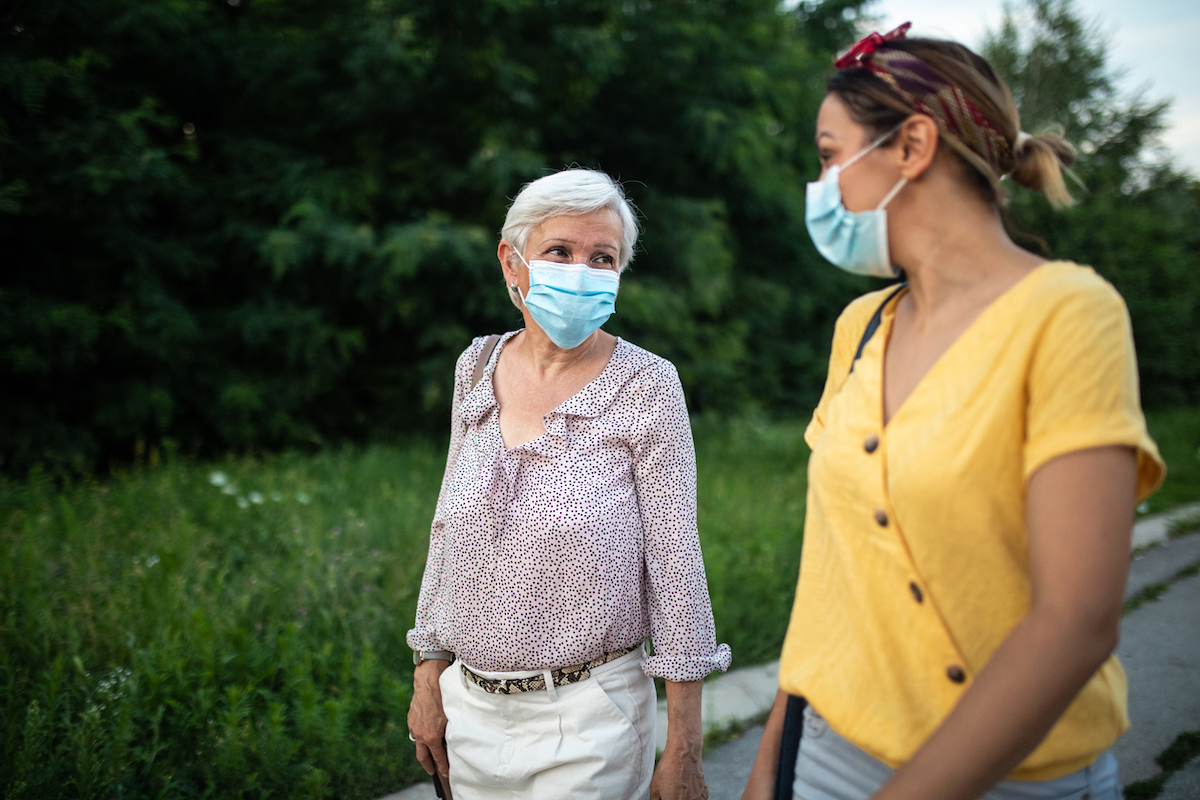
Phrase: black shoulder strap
[873,325]
[484,355]
[789,747]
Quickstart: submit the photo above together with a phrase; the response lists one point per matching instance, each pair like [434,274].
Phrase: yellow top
[914,566]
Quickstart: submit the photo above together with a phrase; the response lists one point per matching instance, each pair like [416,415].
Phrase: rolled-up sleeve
[664,469]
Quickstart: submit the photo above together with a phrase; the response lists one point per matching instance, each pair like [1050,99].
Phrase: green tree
[247,224]
[1138,217]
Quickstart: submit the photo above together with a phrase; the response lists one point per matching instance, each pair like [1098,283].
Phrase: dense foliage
[239,224]
[1138,218]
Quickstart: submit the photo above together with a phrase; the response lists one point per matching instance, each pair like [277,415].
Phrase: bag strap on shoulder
[789,747]
[873,325]
[484,356]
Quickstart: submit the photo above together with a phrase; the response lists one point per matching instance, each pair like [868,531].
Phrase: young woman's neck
[956,249]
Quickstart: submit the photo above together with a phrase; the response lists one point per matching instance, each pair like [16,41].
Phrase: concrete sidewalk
[1160,649]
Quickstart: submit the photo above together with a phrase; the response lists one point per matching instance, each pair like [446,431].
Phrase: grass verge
[1185,747]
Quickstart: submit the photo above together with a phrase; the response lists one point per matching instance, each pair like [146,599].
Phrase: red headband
[928,92]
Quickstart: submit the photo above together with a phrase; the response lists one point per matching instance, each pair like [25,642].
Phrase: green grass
[237,629]
[752,477]
[1185,747]
[1177,434]
[162,636]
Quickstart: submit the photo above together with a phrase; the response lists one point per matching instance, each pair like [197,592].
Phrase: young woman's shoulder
[1064,290]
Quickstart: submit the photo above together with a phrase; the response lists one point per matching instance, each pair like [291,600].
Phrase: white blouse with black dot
[578,543]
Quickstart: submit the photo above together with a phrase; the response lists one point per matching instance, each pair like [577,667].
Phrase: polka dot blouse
[578,543]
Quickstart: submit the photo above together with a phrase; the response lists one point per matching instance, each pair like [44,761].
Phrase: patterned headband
[928,92]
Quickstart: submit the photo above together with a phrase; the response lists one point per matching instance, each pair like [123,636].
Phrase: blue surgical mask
[856,241]
[569,302]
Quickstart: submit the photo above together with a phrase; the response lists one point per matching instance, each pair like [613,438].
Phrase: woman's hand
[427,720]
[680,774]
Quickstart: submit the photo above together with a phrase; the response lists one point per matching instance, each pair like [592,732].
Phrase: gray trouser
[830,768]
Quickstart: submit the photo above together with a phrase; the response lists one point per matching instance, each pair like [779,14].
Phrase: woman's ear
[506,253]
[917,141]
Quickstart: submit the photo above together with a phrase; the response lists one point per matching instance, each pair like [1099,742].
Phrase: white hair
[571,191]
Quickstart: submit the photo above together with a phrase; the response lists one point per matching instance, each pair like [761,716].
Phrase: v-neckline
[889,318]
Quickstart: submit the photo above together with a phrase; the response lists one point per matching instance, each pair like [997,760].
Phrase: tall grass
[214,631]
[237,629]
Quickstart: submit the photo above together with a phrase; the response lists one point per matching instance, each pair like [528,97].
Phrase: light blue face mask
[856,241]
[569,302]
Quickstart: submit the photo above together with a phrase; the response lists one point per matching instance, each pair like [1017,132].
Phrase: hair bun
[1039,163]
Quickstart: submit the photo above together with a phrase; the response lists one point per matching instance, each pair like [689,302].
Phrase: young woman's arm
[761,785]
[1080,516]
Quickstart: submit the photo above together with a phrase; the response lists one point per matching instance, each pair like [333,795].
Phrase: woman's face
[593,239]
[839,138]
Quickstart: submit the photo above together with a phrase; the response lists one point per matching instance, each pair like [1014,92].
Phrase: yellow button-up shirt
[914,565]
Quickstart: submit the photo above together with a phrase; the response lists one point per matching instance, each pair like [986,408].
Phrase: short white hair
[571,191]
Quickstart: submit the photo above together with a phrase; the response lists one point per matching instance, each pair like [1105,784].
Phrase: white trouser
[591,739]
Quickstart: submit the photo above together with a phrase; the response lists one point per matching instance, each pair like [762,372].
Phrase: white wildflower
[303,497]
[243,502]
[218,478]
[256,498]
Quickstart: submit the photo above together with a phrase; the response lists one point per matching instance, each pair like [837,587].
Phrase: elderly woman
[976,458]
[565,534]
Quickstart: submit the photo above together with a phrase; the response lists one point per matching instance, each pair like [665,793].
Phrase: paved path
[1160,649]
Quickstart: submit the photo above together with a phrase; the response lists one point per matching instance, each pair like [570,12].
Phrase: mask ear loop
[514,286]
[887,198]
[871,146]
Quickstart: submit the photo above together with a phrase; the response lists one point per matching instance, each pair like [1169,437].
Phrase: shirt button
[881,517]
[871,443]
[955,673]
[916,592]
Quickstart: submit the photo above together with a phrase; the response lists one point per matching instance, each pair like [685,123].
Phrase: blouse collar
[590,401]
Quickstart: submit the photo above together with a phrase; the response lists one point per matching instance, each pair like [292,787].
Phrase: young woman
[977,455]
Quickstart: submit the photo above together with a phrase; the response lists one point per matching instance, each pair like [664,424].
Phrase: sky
[1154,43]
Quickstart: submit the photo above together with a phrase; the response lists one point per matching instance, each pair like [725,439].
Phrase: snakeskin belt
[537,683]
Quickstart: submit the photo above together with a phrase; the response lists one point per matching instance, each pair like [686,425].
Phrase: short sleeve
[1083,385]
